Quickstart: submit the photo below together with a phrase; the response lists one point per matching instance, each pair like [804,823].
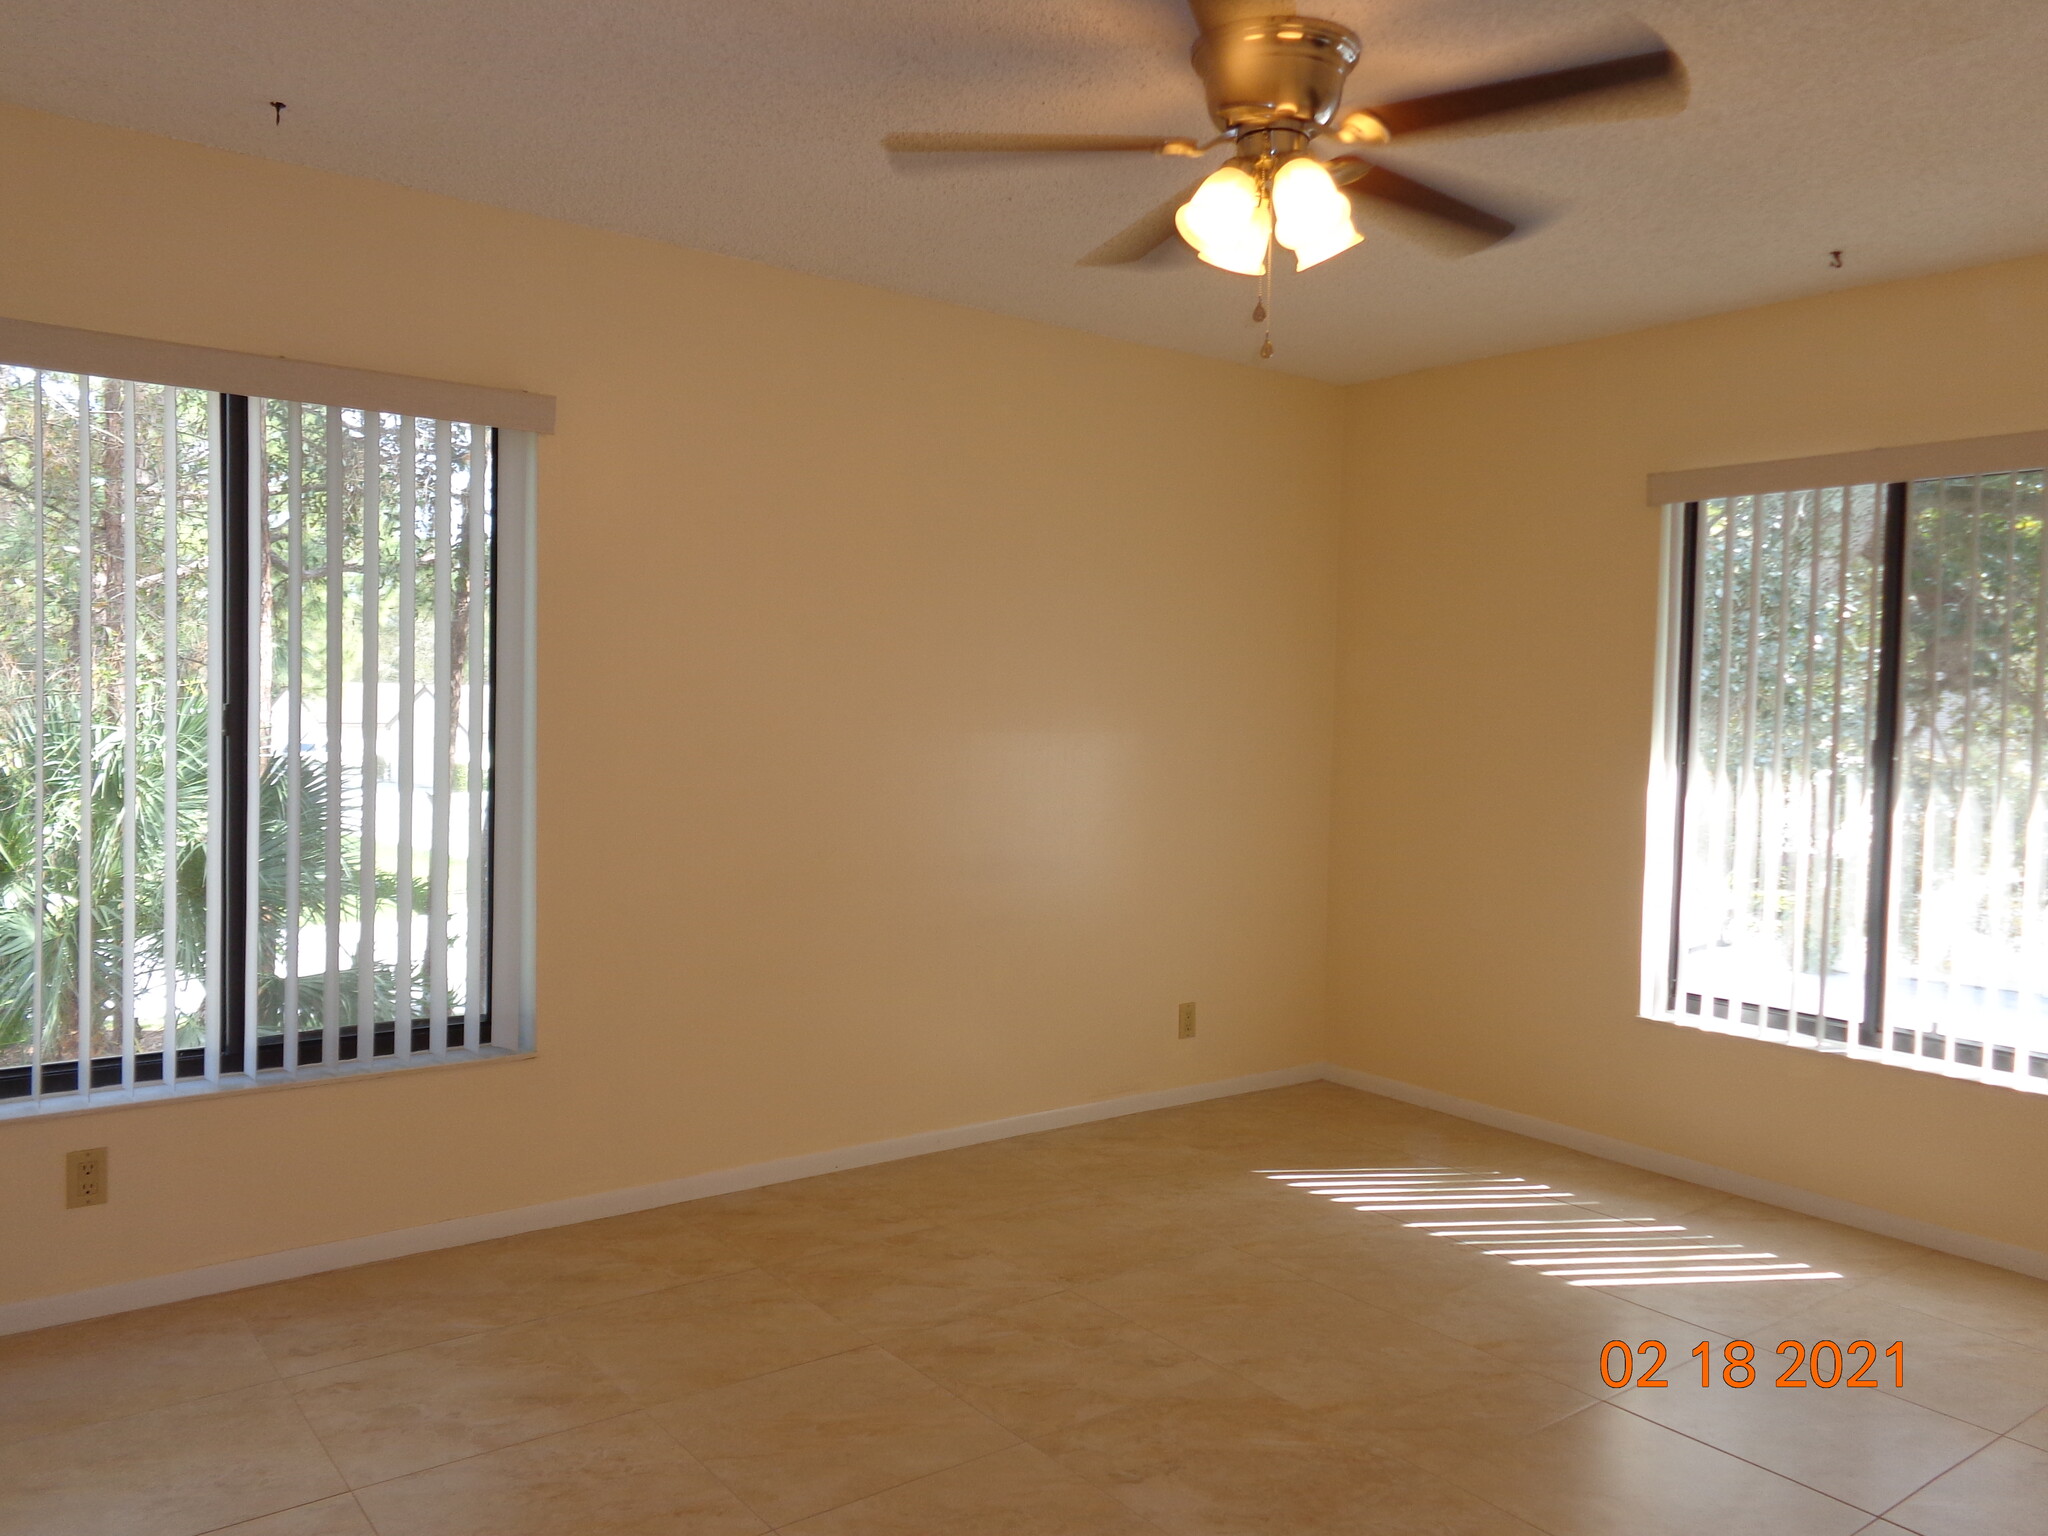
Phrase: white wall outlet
[85,1177]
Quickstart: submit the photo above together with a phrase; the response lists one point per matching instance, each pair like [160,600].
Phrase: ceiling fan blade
[1142,238]
[1448,221]
[1029,143]
[1647,83]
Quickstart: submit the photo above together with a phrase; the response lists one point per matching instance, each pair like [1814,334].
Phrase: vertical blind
[245,735]
[1968,980]
[1862,853]
[1777,809]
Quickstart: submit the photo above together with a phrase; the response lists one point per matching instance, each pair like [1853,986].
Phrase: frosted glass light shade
[1311,214]
[1227,222]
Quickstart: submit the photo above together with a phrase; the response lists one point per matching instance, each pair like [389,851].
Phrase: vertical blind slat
[1837,780]
[443,760]
[39,983]
[334,532]
[84,1008]
[216,873]
[408,695]
[476,863]
[254,745]
[2031,884]
[130,727]
[366,942]
[294,423]
[1804,1002]
[172,757]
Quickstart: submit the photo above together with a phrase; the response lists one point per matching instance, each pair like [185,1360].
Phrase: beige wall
[1500,603]
[929,702]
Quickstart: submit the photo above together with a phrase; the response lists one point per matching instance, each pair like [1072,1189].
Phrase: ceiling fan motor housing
[1275,71]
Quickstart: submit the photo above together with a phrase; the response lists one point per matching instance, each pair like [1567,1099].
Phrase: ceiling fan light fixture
[1228,223]
[1311,214]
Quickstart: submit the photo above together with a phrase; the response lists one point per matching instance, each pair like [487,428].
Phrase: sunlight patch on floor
[1579,1250]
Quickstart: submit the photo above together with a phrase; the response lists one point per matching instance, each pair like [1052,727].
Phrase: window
[1858,743]
[247,657]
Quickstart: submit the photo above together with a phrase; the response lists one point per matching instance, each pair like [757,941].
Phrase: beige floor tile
[1824,1244]
[375,1309]
[1248,1146]
[2001,1491]
[621,1477]
[1381,1265]
[1604,1472]
[1955,1370]
[1083,1238]
[1208,1350]
[788,1221]
[1216,1283]
[911,1281]
[706,1334]
[356,1314]
[1315,1346]
[54,1378]
[1018,1492]
[1049,1364]
[1240,1206]
[671,1237]
[1615,1190]
[1355,1356]
[1993,1301]
[1858,1445]
[957,1185]
[1747,1307]
[808,1439]
[1542,1324]
[172,1471]
[1741,1309]
[1096,1157]
[1233,1461]
[1441,1430]
[338,1516]
[2032,1431]
[560,1268]
[1424,1504]
[401,1413]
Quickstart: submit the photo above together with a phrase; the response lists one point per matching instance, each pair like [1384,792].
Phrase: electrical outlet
[85,1177]
[1187,1021]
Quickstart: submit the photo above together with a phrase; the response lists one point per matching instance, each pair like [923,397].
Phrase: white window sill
[2020,1079]
[237,1084]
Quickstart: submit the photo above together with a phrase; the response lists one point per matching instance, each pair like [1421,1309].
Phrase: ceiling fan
[1275,83]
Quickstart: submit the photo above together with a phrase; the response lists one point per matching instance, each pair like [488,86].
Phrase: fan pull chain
[1262,309]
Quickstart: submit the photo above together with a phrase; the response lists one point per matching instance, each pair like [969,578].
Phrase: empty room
[1080,768]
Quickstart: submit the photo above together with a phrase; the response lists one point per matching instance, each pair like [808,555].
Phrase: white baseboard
[1868,1218]
[155,1290]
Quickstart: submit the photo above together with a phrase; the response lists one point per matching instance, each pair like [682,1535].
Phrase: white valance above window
[59,349]
[1871,466]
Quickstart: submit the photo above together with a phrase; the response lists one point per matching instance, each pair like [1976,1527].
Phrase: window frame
[506,1029]
[1677,632]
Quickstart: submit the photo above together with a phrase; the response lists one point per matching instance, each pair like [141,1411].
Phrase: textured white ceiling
[1910,134]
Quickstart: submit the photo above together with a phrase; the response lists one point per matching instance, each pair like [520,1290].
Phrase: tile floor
[1110,1330]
